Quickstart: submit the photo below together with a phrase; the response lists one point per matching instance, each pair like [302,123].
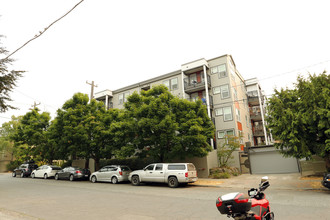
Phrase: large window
[222,134]
[216,90]
[226,112]
[123,97]
[171,84]
[224,91]
[221,70]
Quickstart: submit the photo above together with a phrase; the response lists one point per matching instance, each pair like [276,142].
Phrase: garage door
[270,161]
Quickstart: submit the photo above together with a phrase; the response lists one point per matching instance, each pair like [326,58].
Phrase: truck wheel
[135,180]
[14,174]
[173,182]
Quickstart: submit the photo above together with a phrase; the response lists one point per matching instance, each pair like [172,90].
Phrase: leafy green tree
[8,79]
[164,127]
[30,135]
[227,148]
[6,131]
[300,118]
[82,129]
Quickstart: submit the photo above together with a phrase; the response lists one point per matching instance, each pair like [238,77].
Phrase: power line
[41,32]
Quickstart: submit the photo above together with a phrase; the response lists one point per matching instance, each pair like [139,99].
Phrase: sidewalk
[292,181]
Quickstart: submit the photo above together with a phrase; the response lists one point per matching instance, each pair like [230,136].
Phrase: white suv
[171,173]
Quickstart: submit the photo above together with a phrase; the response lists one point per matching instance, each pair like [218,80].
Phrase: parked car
[45,171]
[111,173]
[72,173]
[171,173]
[24,169]
[326,180]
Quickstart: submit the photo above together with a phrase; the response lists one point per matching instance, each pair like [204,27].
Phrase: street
[27,198]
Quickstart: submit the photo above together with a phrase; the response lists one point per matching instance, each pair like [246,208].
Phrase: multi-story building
[256,100]
[218,84]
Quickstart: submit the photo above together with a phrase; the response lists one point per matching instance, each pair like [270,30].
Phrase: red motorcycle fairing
[260,207]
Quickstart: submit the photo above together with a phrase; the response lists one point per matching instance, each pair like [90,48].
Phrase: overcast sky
[119,43]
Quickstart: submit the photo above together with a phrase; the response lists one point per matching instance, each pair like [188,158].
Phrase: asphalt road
[26,198]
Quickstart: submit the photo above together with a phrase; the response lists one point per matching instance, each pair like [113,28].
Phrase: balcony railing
[258,131]
[195,86]
[255,113]
[203,101]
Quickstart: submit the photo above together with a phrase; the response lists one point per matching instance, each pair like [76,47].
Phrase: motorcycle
[253,206]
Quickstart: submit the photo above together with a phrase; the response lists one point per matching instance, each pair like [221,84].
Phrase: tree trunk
[97,163]
[327,162]
[87,163]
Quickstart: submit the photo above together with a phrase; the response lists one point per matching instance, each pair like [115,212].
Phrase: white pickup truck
[171,173]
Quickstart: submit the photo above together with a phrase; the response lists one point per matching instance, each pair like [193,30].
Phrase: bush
[223,172]
[13,164]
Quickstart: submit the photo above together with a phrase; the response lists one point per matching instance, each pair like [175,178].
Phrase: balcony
[258,131]
[194,86]
[203,101]
[255,113]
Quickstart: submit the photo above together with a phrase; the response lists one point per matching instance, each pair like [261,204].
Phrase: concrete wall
[316,166]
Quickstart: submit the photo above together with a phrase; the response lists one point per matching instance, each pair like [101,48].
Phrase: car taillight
[78,171]
[219,202]
[120,173]
[26,169]
[186,174]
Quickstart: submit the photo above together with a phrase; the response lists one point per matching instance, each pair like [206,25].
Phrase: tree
[227,148]
[82,129]
[30,135]
[300,118]
[8,79]
[165,127]
[6,131]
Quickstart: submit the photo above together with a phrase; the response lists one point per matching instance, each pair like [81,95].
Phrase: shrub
[13,164]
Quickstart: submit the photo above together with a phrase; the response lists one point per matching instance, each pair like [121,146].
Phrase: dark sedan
[73,173]
[326,180]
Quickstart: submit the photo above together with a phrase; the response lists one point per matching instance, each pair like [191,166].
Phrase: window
[176,167]
[218,112]
[171,84]
[235,94]
[174,84]
[216,90]
[238,115]
[221,69]
[159,167]
[224,91]
[228,116]
[123,97]
[150,167]
[224,133]
[167,83]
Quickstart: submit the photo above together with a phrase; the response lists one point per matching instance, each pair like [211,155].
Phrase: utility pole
[92,89]
[34,105]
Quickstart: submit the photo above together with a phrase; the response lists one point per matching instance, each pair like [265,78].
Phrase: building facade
[222,89]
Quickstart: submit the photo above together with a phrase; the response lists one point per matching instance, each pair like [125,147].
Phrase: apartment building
[256,100]
[222,89]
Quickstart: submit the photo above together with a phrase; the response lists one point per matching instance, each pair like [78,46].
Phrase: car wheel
[71,177]
[114,180]
[93,179]
[173,182]
[56,177]
[33,175]
[22,174]
[135,180]
[13,174]
[45,176]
